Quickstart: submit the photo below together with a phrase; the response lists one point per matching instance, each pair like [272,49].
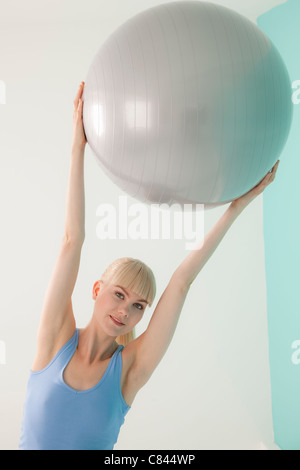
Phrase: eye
[140,307]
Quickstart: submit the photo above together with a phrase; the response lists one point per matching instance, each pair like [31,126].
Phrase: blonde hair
[132,274]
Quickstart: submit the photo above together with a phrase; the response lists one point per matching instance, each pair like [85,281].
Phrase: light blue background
[281,234]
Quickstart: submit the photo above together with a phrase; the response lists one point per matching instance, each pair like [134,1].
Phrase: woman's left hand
[244,200]
[79,138]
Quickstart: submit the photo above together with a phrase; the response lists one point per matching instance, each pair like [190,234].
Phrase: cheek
[103,304]
[137,316]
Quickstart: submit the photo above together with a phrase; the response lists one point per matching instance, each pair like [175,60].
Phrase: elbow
[73,239]
[182,282]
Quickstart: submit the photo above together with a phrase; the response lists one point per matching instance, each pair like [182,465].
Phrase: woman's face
[116,308]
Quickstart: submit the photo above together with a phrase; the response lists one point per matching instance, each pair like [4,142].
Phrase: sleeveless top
[58,417]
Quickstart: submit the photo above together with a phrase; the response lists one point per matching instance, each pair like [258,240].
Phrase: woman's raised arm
[194,262]
[57,322]
[153,343]
[75,204]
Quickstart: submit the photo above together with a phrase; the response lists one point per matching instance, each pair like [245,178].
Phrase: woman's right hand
[78,138]
[244,200]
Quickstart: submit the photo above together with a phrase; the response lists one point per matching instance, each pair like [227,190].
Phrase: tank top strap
[117,358]
[69,348]
[66,352]
[63,356]
[118,361]
[113,369]
[113,377]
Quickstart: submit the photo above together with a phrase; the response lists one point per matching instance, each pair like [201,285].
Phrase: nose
[122,311]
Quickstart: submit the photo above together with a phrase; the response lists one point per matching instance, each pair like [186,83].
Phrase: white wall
[212,389]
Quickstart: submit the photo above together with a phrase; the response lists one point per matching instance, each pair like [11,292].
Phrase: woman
[84,381]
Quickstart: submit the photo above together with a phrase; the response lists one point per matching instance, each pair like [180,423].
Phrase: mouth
[116,321]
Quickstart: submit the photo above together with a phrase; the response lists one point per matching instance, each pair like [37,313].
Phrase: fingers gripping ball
[187,102]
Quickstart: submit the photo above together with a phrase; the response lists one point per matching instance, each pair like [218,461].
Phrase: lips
[116,321]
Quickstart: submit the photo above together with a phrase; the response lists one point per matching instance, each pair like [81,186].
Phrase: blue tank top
[58,417]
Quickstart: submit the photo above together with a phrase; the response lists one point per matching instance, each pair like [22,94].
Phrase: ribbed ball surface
[187,102]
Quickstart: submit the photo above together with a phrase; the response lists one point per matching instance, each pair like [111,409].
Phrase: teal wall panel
[281,206]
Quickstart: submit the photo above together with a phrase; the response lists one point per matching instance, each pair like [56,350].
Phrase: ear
[96,288]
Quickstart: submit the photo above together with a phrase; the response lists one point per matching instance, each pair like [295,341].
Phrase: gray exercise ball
[187,102]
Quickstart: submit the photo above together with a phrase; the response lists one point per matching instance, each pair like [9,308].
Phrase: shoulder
[44,354]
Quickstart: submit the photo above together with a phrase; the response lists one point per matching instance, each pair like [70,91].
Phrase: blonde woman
[84,381]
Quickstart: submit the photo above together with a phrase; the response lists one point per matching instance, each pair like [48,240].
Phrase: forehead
[130,293]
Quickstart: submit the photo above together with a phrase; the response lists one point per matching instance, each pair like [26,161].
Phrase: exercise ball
[187,102]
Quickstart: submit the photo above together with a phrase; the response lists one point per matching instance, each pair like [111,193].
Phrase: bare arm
[57,322]
[196,259]
[153,343]
[75,203]
[194,262]
[75,200]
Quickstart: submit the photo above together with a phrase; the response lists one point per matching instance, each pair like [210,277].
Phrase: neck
[94,344]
